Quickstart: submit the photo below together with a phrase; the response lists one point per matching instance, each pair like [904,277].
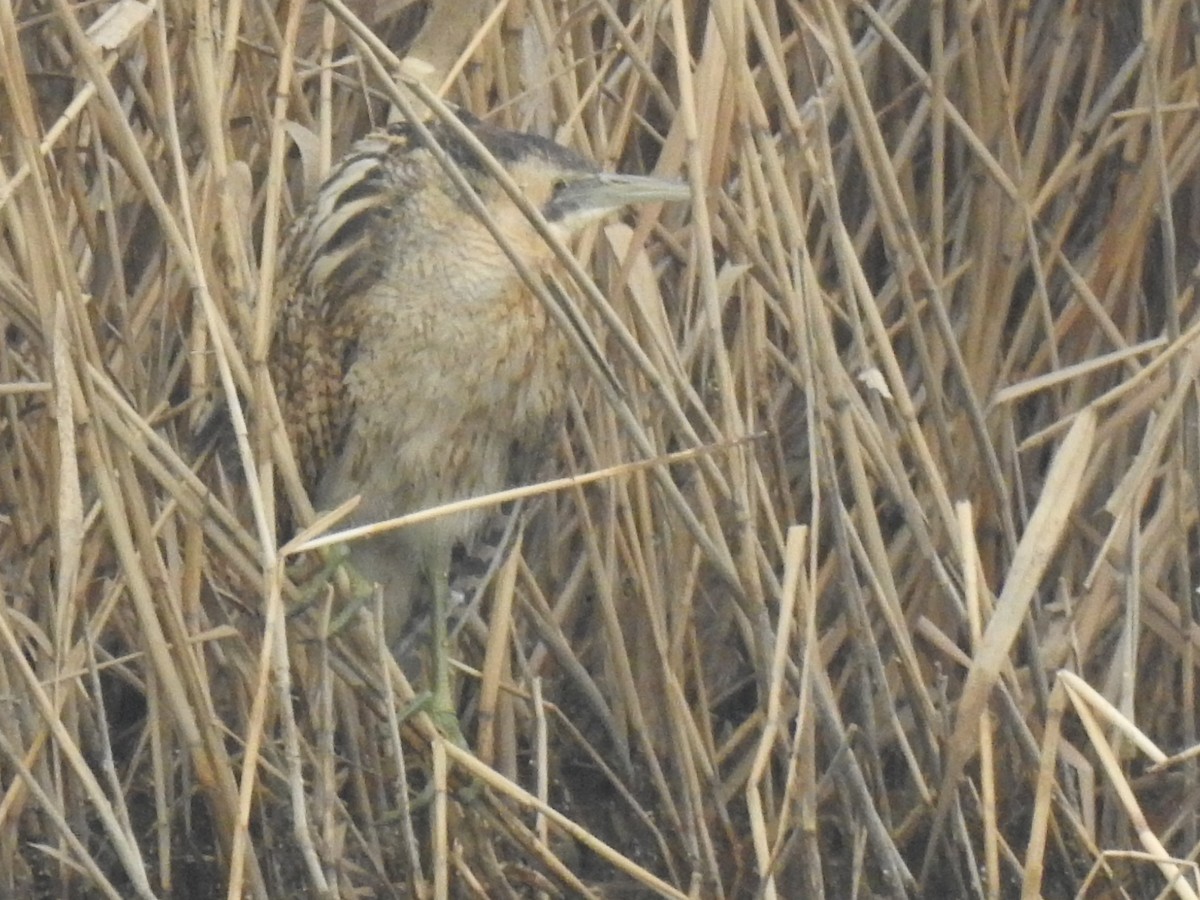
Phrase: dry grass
[910,607]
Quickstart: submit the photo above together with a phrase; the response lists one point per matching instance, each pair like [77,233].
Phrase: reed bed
[866,563]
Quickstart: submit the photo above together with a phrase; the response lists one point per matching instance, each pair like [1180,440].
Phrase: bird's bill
[608,191]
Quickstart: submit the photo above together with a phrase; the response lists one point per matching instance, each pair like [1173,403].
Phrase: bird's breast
[454,374]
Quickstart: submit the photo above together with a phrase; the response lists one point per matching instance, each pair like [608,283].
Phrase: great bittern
[413,365]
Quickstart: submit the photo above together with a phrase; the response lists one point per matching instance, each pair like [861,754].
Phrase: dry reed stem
[931,248]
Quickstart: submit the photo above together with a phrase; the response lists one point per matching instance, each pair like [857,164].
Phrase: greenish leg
[442,709]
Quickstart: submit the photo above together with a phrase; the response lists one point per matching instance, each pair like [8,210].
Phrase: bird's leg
[442,708]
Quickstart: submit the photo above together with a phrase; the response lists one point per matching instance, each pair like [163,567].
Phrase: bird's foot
[334,570]
[445,719]
[441,713]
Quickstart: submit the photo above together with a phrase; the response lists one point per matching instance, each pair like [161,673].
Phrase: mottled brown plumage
[412,364]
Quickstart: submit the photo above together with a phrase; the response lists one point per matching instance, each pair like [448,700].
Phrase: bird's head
[569,190]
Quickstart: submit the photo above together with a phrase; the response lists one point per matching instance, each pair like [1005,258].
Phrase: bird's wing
[335,252]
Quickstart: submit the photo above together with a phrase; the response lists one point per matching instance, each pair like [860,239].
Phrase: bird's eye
[557,185]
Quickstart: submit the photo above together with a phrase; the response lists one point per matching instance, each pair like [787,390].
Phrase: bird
[411,363]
